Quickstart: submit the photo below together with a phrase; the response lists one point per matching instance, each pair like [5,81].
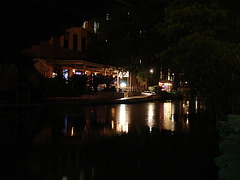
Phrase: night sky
[24,23]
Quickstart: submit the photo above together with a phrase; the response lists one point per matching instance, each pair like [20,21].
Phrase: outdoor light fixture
[123,85]
[151,70]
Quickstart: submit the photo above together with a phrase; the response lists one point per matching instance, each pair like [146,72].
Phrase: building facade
[68,51]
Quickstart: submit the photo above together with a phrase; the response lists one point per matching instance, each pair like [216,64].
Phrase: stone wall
[229,160]
[90,97]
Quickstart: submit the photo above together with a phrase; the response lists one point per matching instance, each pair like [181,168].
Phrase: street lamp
[151,71]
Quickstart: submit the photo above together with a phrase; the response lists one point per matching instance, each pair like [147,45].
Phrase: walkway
[68,101]
[135,99]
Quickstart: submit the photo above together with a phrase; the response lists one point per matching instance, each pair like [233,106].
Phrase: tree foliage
[199,39]
[128,35]
[201,48]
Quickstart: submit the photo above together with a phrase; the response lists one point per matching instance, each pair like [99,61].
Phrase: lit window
[96,26]
[65,73]
[107,17]
[84,25]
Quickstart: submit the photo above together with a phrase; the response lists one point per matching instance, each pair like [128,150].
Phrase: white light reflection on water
[122,119]
[151,109]
[117,119]
[168,116]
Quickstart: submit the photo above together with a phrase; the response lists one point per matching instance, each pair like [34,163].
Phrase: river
[48,143]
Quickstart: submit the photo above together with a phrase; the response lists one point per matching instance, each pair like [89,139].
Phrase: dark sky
[24,23]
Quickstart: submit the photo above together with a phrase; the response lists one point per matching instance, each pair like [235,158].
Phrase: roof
[25,23]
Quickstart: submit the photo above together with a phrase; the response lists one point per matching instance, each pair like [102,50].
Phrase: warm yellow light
[72,131]
[150,115]
[151,70]
[112,124]
[122,124]
[169,123]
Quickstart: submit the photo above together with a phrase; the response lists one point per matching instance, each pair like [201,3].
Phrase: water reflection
[168,118]
[116,119]
[151,114]
[94,121]
[122,119]
[63,130]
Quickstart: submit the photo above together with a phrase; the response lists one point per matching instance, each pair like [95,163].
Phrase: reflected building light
[122,124]
[113,112]
[196,105]
[167,110]
[168,118]
[65,125]
[172,126]
[150,116]
[112,124]
[172,111]
[186,107]
[64,178]
[72,131]
[123,128]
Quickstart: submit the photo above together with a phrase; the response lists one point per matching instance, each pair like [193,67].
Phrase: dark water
[152,140]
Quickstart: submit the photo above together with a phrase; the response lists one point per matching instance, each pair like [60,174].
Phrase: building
[166,82]
[71,44]
[68,51]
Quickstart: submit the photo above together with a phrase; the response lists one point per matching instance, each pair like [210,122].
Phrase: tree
[128,36]
[201,48]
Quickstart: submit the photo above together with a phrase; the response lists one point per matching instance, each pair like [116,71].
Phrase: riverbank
[143,97]
[99,98]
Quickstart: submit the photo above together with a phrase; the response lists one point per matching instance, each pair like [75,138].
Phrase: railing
[42,69]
